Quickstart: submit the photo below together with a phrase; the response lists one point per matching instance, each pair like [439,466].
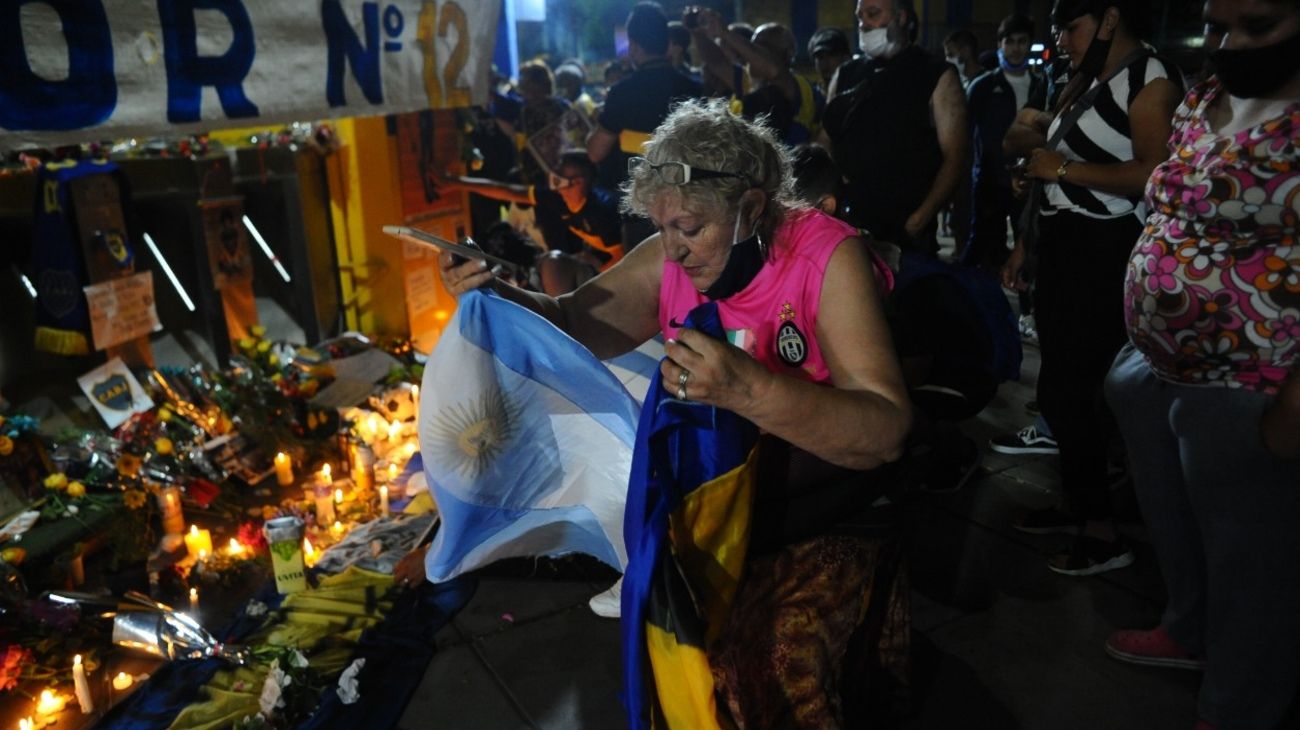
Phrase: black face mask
[1250,73]
[1094,59]
[743,264]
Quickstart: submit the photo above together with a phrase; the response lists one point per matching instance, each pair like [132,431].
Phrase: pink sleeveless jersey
[774,319]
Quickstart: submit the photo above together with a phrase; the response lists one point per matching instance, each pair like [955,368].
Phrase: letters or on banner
[122,309]
[94,69]
[114,392]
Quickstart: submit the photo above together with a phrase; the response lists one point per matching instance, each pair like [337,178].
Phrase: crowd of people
[1153,237]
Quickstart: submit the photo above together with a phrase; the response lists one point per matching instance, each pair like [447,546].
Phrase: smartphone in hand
[461,252]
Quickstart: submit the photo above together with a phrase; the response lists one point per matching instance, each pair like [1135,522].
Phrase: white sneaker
[608,604]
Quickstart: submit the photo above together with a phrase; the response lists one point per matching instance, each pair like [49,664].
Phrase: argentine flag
[526,440]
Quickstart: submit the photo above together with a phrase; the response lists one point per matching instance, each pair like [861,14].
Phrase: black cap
[829,40]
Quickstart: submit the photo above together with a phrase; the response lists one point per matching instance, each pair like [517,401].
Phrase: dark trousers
[1222,514]
[1078,304]
[987,244]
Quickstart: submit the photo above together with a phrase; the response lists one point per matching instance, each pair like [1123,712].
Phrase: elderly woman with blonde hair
[807,359]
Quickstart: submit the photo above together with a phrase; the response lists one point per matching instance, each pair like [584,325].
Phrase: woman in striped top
[1092,182]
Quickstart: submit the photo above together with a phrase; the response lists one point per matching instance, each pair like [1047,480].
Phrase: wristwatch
[1060,171]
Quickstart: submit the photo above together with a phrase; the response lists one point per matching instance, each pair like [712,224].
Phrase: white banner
[81,70]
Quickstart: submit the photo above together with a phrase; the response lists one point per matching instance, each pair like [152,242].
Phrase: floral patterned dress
[1212,294]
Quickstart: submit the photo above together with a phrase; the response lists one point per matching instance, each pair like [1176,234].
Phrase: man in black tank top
[896,126]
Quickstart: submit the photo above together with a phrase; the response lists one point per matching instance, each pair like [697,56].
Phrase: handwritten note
[122,309]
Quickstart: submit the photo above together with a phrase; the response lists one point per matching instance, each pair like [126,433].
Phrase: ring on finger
[682,377]
[681,392]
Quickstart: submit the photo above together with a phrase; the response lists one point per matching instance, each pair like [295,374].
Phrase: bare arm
[761,66]
[507,192]
[833,88]
[948,106]
[1027,133]
[611,314]
[600,143]
[1280,426]
[713,61]
[1151,119]
[861,422]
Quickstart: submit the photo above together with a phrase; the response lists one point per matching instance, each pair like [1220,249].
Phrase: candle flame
[50,703]
[338,496]
[76,660]
[235,547]
[326,471]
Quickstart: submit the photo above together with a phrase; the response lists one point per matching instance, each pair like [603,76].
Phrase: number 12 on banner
[445,92]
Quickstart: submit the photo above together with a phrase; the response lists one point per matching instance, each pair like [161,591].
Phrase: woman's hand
[1280,425]
[410,569]
[1043,164]
[717,372]
[1011,269]
[462,277]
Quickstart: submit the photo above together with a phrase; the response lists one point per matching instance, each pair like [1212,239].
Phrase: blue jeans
[1224,518]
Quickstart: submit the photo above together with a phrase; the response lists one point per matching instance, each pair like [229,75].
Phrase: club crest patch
[114,392]
[791,345]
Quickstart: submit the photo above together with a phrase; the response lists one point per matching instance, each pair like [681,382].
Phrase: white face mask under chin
[876,43]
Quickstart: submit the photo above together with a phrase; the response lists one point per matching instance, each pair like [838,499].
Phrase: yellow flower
[6,446]
[258,331]
[76,490]
[57,481]
[273,360]
[133,498]
[165,415]
[263,347]
[128,465]
[247,343]
[163,446]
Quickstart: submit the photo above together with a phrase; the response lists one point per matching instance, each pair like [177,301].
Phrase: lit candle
[123,681]
[26,724]
[82,687]
[338,497]
[394,430]
[383,500]
[393,472]
[198,543]
[337,529]
[194,603]
[308,553]
[372,426]
[283,469]
[236,548]
[415,396]
[50,703]
[326,476]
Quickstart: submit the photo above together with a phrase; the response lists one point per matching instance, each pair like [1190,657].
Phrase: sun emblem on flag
[469,436]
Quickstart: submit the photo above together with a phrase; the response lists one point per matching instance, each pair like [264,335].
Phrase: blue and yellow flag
[686,527]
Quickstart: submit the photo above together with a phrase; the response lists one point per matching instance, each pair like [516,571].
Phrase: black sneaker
[1049,522]
[1090,556]
[1025,441]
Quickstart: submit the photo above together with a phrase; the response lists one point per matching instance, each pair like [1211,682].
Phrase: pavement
[999,641]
